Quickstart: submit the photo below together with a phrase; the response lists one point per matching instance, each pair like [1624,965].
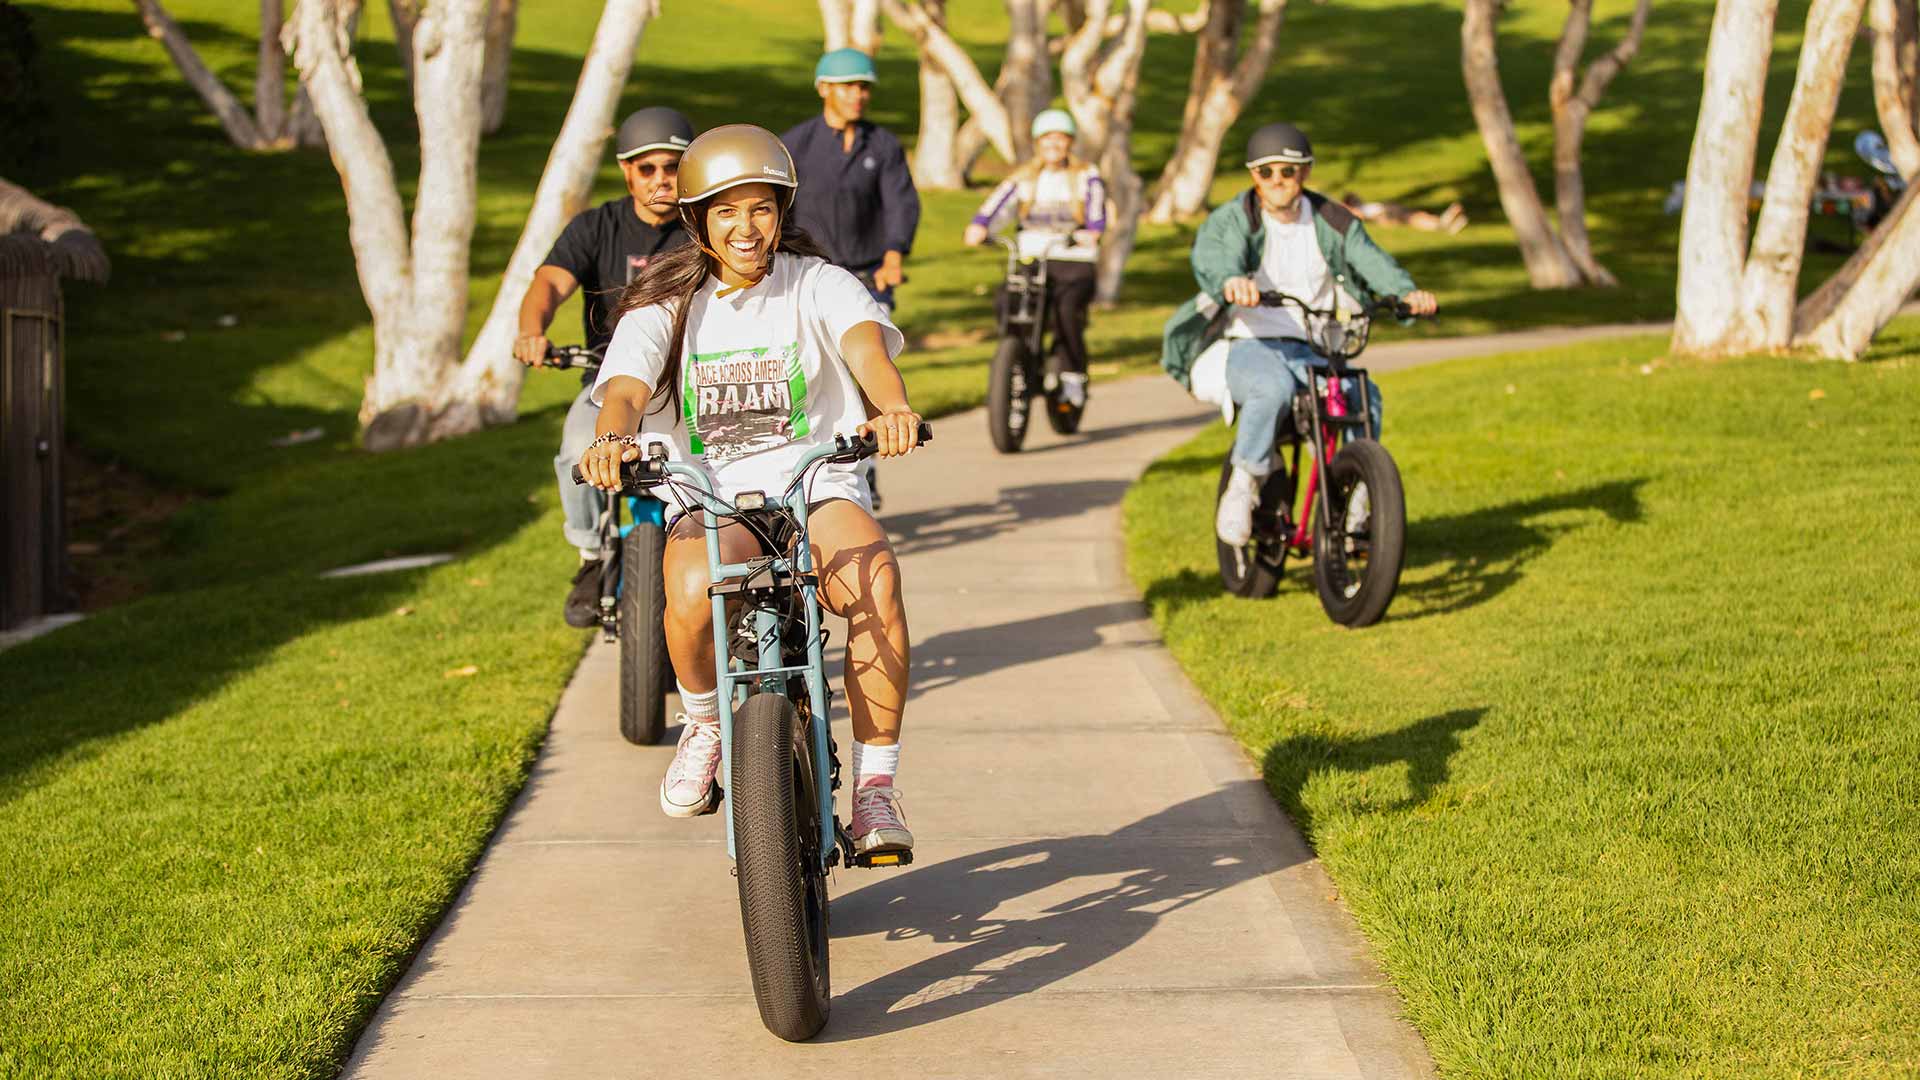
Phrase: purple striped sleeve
[1096,203]
[995,203]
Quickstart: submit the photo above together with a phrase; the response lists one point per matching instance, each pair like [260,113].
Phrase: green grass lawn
[1628,781]
[231,809]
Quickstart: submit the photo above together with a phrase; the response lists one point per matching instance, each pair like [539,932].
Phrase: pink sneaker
[687,790]
[877,825]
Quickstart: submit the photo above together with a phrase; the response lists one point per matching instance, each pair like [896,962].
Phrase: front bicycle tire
[644,667]
[1358,549]
[1007,396]
[1252,570]
[783,887]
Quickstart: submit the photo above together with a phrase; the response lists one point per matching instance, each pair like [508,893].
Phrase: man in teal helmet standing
[856,194]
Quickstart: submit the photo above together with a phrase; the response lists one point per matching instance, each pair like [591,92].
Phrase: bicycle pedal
[876,859]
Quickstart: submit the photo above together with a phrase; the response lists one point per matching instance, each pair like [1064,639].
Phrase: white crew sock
[874,762]
[589,555]
[700,708]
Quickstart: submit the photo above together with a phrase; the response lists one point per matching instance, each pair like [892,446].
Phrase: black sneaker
[583,600]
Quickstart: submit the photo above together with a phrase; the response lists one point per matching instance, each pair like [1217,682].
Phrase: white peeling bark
[270,75]
[936,165]
[939,47]
[1571,109]
[404,14]
[501,23]
[1772,276]
[1548,264]
[1225,77]
[1028,72]
[1896,79]
[851,24]
[487,390]
[239,124]
[1100,76]
[1713,223]
[1841,318]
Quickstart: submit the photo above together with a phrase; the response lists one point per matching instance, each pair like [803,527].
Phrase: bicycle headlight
[751,500]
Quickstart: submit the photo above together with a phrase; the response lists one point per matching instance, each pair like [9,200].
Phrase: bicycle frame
[1326,443]
[771,664]
[1027,298]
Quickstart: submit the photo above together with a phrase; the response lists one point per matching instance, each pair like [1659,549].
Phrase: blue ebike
[633,599]
[777,752]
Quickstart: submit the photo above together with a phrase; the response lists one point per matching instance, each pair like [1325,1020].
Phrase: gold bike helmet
[731,155]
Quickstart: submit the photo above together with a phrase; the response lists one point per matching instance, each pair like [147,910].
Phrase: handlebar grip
[640,472]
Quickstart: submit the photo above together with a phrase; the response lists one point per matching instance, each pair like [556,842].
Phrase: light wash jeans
[580,504]
[1263,375]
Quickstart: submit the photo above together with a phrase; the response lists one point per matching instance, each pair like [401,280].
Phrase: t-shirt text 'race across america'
[740,401]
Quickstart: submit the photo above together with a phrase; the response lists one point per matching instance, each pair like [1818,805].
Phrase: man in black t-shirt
[600,251]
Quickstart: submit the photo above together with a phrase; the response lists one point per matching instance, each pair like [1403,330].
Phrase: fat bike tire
[1358,554]
[1007,411]
[783,888]
[1253,570]
[644,667]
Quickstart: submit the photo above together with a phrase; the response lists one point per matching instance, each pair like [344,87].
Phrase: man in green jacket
[1277,237]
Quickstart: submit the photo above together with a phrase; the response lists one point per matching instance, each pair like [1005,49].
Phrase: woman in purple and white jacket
[1060,208]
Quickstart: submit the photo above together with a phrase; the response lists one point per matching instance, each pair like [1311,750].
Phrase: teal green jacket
[1230,244]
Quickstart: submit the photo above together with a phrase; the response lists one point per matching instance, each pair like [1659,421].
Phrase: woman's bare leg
[860,581]
[689,610]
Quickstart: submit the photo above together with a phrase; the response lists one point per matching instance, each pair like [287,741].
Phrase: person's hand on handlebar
[531,349]
[897,431]
[1421,302]
[600,464]
[1241,291]
[975,235]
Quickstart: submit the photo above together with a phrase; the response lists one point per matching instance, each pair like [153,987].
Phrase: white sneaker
[1073,389]
[877,823]
[687,790]
[1233,521]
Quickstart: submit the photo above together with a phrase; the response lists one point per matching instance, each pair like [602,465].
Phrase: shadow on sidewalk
[1017,507]
[1090,435]
[1132,878]
[956,655]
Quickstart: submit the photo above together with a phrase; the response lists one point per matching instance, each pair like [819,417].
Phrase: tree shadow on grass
[1484,552]
[1423,747]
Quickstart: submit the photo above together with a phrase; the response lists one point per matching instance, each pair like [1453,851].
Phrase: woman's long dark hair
[675,278]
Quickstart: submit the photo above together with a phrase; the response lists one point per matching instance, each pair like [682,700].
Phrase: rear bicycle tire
[1007,412]
[644,666]
[783,888]
[1064,419]
[1358,595]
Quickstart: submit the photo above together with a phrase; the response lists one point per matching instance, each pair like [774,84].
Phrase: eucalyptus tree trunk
[270,72]
[936,165]
[1549,266]
[1772,275]
[939,48]
[851,24]
[1896,79]
[415,283]
[1571,109]
[1713,222]
[487,388]
[1225,77]
[242,128]
[1841,318]
[1100,74]
[501,23]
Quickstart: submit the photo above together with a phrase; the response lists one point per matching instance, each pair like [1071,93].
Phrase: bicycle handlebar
[654,469]
[571,357]
[1381,306]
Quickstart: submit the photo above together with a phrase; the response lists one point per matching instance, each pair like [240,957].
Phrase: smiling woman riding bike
[743,353]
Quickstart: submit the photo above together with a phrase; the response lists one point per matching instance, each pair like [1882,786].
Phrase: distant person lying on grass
[1450,220]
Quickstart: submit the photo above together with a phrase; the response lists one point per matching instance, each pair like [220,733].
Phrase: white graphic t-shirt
[761,376]
[1291,263]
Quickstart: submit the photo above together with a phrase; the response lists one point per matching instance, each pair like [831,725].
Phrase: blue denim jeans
[1263,374]
[580,504]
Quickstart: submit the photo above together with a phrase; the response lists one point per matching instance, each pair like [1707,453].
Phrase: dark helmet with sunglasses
[658,128]
[1278,147]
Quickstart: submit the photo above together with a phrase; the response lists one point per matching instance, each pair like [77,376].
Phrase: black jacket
[858,205]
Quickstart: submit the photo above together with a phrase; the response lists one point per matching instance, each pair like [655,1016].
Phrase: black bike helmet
[1282,143]
[658,128]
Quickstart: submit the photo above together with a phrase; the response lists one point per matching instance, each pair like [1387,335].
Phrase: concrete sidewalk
[1104,887]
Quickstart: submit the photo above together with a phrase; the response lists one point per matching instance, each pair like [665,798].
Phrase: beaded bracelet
[610,437]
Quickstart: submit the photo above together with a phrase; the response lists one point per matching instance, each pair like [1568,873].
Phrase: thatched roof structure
[39,238]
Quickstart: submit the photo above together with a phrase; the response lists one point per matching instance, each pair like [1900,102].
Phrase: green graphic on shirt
[743,401]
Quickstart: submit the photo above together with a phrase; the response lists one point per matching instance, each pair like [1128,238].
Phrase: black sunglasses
[1265,172]
[647,169]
